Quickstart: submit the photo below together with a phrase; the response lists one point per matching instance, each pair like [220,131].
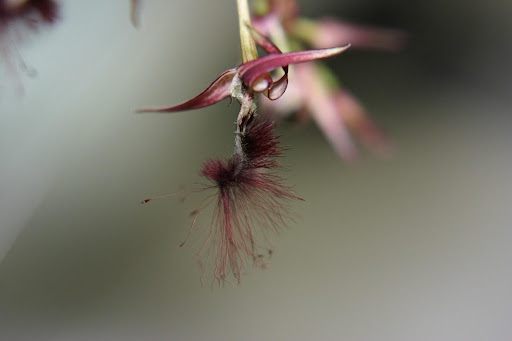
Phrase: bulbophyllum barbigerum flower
[252,76]
[18,19]
[251,198]
[314,91]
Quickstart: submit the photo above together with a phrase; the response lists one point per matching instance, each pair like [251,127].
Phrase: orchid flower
[251,199]
[315,92]
[253,76]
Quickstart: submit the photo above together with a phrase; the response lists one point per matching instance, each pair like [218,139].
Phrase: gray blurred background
[415,247]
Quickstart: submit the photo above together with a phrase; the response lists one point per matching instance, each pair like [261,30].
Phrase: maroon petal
[263,83]
[216,92]
[276,89]
[253,70]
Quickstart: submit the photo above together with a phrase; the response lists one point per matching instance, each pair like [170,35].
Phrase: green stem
[247,43]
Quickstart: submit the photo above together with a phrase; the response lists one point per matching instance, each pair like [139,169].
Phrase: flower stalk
[245,96]
[247,43]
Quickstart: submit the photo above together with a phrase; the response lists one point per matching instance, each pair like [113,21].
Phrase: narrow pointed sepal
[216,92]
[264,42]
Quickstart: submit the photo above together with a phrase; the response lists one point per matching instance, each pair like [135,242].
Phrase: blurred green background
[414,247]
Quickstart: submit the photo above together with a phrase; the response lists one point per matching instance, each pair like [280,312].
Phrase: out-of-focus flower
[19,18]
[31,11]
[328,32]
[135,12]
[249,192]
[314,91]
